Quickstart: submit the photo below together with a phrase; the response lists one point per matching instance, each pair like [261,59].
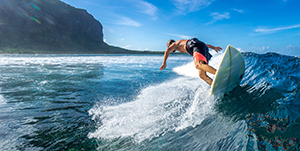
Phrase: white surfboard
[230,72]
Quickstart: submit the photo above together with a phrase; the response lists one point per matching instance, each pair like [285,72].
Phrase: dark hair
[170,42]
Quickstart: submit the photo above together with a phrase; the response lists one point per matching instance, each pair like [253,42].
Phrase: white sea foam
[189,69]
[170,106]
[2,100]
[158,109]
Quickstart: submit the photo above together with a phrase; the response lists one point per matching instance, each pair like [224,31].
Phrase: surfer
[199,51]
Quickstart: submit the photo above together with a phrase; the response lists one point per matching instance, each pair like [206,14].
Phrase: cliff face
[49,26]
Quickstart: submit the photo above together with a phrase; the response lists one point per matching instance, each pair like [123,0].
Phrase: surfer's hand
[217,49]
[162,66]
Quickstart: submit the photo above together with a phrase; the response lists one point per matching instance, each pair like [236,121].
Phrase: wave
[268,100]
[158,109]
[268,95]
[2,100]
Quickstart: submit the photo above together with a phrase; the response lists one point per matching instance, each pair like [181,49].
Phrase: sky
[258,26]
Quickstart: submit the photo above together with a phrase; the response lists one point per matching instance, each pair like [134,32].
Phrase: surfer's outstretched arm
[217,49]
[167,53]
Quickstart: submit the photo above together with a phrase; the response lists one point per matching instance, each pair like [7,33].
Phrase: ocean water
[123,102]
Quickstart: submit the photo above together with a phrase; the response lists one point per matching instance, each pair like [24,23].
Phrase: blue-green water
[123,102]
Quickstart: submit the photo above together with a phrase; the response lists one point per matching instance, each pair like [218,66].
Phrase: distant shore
[30,51]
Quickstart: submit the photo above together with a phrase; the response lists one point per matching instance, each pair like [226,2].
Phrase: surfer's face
[169,46]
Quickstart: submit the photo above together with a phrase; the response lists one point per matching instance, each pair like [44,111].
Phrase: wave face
[268,100]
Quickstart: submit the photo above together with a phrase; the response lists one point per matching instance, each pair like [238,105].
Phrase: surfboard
[230,72]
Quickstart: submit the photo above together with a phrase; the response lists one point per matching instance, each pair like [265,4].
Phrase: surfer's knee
[199,64]
[202,75]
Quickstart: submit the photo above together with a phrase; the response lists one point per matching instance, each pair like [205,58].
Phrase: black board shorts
[198,50]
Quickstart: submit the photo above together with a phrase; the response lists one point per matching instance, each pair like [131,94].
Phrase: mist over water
[123,102]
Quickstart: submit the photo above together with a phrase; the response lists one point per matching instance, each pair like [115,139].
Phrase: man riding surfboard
[199,51]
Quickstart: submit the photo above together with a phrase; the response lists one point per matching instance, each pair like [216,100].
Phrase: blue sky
[251,25]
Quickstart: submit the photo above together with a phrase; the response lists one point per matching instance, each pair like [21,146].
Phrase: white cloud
[288,50]
[292,50]
[240,49]
[265,48]
[219,16]
[180,36]
[122,39]
[147,8]
[109,29]
[140,6]
[128,22]
[238,10]
[125,47]
[272,30]
[185,6]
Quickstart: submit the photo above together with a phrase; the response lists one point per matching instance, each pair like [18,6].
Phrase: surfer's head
[170,43]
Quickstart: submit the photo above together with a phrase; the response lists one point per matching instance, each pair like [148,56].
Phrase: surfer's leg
[201,65]
[203,75]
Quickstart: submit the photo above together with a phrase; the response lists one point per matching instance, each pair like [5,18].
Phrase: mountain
[50,26]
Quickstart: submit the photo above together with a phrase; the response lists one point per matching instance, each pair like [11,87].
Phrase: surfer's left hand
[163,66]
[218,49]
